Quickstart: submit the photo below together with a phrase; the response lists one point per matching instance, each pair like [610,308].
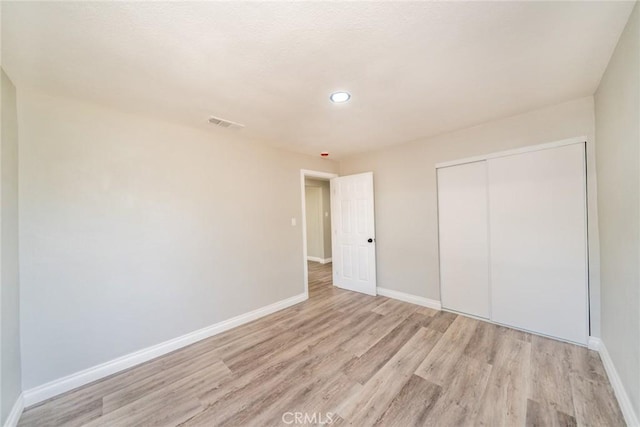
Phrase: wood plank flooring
[354,360]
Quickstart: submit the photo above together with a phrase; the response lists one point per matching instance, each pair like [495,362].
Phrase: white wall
[406,194]
[10,372]
[325,209]
[617,106]
[313,208]
[134,231]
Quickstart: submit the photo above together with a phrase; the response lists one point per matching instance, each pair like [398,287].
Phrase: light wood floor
[352,359]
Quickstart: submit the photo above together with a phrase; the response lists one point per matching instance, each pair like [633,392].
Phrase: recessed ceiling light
[339,97]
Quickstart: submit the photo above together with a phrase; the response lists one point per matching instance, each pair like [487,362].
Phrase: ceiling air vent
[225,123]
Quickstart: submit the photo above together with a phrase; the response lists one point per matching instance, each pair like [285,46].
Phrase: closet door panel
[537,233]
[464,263]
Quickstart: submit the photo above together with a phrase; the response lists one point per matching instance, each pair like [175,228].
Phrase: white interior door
[464,240]
[537,229]
[354,248]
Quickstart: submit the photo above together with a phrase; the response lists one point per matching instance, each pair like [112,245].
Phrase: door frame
[305,173]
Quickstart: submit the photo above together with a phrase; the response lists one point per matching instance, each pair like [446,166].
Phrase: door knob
[370,240]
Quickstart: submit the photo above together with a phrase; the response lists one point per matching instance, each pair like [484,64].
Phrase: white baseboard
[16,412]
[594,343]
[425,302]
[62,385]
[318,259]
[616,383]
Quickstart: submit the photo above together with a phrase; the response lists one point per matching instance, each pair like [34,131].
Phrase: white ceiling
[414,69]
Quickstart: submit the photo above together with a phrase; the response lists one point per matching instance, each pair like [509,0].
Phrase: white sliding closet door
[462,213]
[537,233]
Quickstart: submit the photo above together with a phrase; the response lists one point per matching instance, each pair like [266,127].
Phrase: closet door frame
[522,150]
[527,149]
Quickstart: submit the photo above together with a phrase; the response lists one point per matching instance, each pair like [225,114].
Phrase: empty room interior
[320,213]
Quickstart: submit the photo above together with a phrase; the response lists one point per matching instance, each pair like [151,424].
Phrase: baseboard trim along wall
[320,260]
[78,379]
[594,344]
[616,383]
[401,296]
[16,412]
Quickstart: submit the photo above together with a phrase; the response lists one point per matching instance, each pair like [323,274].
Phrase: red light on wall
[324,154]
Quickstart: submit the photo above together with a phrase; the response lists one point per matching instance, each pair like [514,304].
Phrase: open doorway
[350,223]
[316,223]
